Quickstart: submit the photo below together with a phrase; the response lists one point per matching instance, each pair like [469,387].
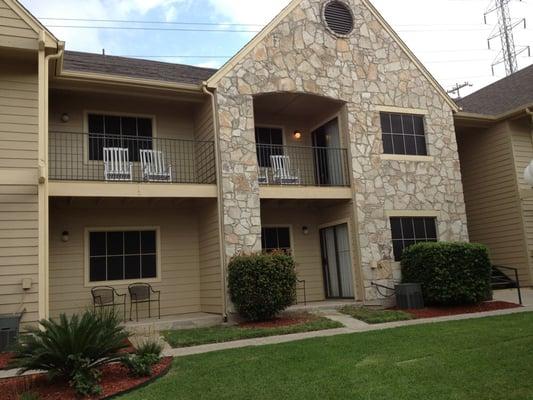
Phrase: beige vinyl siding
[209,259]
[305,248]
[172,120]
[14,31]
[521,133]
[18,186]
[178,253]
[527,209]
[491,195]
[204,133]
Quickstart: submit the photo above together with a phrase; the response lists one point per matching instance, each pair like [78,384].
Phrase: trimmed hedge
[262,285]
[450,273]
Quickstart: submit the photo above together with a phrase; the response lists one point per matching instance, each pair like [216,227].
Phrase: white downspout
[44,60]
[220,204]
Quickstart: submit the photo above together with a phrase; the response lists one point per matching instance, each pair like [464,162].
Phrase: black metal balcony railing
[80,157]
[302,165]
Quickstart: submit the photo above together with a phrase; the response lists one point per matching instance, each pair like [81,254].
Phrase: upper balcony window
[132,133]
[269,143]
[403,134]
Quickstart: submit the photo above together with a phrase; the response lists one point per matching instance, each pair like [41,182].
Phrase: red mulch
[5,358]
[115,379]
[430,312]
[288,320]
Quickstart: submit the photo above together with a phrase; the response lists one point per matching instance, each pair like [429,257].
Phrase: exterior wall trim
[412,213]
[87,230]
[401,110]
[407,157]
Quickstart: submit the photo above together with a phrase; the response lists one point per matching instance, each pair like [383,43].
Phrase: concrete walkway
[351,326]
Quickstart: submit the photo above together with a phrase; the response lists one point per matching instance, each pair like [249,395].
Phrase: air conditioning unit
[409,296]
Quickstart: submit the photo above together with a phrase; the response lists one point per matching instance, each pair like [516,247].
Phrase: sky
[448,36]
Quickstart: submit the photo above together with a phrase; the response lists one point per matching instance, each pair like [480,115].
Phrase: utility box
[409,295]
[9,329]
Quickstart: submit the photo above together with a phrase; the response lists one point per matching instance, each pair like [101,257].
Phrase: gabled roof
[135,68]
[213,81]
[505,95]
[32,22]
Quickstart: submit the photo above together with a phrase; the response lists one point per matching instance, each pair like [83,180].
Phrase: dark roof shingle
[502,96]
[135,68]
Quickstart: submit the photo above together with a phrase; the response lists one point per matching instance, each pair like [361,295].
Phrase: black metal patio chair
[143,293]
[107,296]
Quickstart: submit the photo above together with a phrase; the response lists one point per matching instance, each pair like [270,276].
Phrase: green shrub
[450,273]
[73,348]
[146,355]
[262,285]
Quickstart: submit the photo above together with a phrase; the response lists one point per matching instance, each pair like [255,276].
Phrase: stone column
[240,197]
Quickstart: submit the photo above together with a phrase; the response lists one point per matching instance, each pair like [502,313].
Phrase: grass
[482,359]
[371,316]
[218,334]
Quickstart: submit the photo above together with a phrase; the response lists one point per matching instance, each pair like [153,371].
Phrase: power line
[148,22]
[138,28]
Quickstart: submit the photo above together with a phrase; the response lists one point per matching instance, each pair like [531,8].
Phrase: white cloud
[248,11]
[210,64]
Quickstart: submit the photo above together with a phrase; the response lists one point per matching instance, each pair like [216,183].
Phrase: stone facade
[366,70]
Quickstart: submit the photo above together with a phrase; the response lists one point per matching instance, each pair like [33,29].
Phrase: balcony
[109,158]
[315,166]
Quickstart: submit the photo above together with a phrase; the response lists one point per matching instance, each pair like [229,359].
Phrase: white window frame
[123,282]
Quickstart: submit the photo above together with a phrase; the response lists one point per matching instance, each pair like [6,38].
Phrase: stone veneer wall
[366,70]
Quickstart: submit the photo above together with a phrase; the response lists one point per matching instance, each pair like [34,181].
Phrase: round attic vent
[338,17]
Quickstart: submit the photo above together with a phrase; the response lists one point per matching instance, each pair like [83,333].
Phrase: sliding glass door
[337,263]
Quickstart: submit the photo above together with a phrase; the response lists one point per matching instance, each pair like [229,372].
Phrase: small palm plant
[73,348]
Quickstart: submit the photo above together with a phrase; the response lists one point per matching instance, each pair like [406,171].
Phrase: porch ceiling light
[64,236]
[65,117]
[297,134]
[528,174]
[305,230]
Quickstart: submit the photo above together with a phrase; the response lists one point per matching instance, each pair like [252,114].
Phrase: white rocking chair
[282,173]
[154,167]
[117,164]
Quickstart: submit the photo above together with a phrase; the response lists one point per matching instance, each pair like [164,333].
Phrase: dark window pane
[271,239]
[144,127]
[96,123]
[421,148]
[397,246]
[276,136]
[132,267]
[97,269]
[419,125]
[385,123]
[262,135]
[132,243]
[408,127]
[399,147]
[407,228]
[396,122]
[420,231]
[387,144]
[115,268]
[396,228]
[410,146]
[115,245]
[97,244]
[149,269]
[284,238]
[408,243]
[112,125]
[431,229]
[148,242]
[129,126]
[96,145]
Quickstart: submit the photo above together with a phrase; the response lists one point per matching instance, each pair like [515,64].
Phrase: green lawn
[479,359]
[217,334]
[372,316]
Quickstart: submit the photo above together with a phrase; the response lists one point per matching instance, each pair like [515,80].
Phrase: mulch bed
[115,380]
[284,320]
[431,312]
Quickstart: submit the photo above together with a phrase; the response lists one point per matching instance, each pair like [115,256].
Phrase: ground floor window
[407,231]
[276,238]
[122,255]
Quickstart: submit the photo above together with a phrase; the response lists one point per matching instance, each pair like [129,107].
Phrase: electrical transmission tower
[504,30]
